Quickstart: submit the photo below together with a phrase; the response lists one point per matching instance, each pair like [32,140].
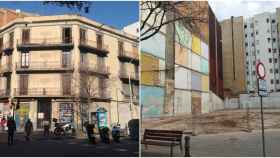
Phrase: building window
[270,60]
[247,73]
[268,39]
[245,26]
[269,50]
[252,34]
[99,39]
[268,31]
[24,59]
[11,39]
[67,35]
[253,44]
[120,44]
[25,36]
[275,60]
[271,71]
[273,20]
[246,53]
[248,82]
[274,50]
[245,35]
[1,43]
[83,36]
[254,62]
[277,81]
[267,20]
[271,81]
[66,59]
[246,44]
[251,25]
[254,72]
[257,32]
[247,62]
[273,40]
[276,71]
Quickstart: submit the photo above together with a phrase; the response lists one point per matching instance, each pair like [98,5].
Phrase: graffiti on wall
[152,99]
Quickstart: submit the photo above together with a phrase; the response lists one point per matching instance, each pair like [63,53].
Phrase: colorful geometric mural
[149,67]
[181,55]
[204,67]
[182,101]
[205,83]
[182,35]
[196,48]
[152,99]
[154,45]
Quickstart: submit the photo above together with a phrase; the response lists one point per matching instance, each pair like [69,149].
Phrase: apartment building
[70,68]
[262,44]
[233,56]
[197,59]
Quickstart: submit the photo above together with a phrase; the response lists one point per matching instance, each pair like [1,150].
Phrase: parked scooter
[61,129]
[116,132]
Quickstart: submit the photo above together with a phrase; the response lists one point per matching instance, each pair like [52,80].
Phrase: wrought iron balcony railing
[94,46]
[129,54]
[46,42]
[99,69]
[44,66]
[131,75]
[8,46]
[4,93]
[43,92]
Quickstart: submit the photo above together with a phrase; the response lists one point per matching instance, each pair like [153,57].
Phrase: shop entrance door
[44,112]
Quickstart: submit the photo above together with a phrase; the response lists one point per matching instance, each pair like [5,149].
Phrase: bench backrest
[163,135]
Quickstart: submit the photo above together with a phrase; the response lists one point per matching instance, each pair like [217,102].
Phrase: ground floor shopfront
[68,111]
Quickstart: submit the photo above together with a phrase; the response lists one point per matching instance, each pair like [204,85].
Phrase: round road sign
[260,70]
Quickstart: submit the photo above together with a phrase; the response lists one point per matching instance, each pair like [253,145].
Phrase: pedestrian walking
[28,129]
[11,124]
[3,123]
[46,125]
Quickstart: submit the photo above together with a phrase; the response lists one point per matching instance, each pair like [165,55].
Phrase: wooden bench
[163,138]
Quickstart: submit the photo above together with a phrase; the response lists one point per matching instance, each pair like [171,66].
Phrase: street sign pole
[261,77]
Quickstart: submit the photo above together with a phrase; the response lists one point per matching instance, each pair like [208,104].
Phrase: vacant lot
[217,122]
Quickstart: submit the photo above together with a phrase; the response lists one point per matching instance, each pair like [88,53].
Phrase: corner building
[70,68]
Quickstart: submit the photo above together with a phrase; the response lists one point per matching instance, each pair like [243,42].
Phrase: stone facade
[64,65]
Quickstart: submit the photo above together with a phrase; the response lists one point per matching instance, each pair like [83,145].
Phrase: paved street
[237,144]
[40,146]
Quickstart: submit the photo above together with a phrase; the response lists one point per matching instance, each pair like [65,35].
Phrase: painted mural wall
[152,99]
[154,45]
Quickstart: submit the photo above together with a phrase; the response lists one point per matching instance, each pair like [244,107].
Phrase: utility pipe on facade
[130,93]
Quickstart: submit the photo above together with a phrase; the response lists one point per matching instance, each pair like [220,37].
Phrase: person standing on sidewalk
[28,128]
[11,124]
[3,122]
[46,125]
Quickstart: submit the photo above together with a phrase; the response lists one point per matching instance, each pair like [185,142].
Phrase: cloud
[224,9]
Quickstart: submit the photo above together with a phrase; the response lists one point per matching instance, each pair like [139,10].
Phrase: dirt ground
[217,122]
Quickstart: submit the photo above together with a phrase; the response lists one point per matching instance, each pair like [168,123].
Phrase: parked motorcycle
[61,129]
[116,133]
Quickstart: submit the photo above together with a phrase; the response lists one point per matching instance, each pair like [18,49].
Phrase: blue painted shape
[154,45]
[152,99]
[204,67]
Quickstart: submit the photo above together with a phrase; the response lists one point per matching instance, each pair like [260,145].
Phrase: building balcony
[41,66]
[95,69]
[45,44]
[7,47]
[102,95]
[94,47]
[129,56]
[5,69]
[4,93]
[125,76]
[43,92]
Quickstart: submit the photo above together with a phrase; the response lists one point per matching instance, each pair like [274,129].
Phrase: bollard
[187,146]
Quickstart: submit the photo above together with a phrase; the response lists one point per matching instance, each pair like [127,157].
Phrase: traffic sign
[260,70]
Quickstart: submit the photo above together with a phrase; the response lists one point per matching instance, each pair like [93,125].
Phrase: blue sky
[116,14]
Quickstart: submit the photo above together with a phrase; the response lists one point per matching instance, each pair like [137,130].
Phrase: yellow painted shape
[205,83]
[149,69]
[196,47]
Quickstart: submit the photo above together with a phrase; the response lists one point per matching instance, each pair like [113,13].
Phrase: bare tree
[90,86]
[153,15]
